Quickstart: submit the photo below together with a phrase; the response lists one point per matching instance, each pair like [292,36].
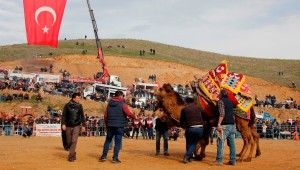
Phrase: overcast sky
[252,28]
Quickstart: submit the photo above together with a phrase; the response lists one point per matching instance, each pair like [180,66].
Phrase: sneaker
[116,161]
[102,159]
[71,160]
[185,159]
[157,153]
[166,154]
[216,163]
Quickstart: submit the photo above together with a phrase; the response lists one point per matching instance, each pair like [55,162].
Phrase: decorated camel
[205,93]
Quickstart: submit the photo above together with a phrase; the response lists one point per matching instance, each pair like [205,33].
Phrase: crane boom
[104,75]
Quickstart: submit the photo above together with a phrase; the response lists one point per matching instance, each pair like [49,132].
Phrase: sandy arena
[47,153]
[17,153]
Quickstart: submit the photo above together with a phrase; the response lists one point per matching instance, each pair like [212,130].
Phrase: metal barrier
[269,132]
[280,131]
[11,130]
[94,130]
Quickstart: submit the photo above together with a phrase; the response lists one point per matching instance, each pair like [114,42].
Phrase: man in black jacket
[161,128]
[72,118]
[191,120]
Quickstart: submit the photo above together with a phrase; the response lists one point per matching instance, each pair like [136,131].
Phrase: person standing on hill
[72,118]
[115,119]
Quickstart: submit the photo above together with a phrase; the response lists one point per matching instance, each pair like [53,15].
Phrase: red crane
[100,77]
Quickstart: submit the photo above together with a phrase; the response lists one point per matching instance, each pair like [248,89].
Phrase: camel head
[170,102]
[167,92]
[164,91]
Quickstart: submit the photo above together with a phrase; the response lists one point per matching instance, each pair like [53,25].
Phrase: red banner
[42,20]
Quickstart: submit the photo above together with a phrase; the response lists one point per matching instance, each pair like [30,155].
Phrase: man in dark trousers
[64,140]
[26,131]
[115,119]
[72,119]
[225,129]
[136,128]
[191,120]
[161,128]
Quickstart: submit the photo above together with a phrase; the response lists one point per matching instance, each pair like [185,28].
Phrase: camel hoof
[257,155]
[247,160]
[202,155]
[240,160]
[198,158]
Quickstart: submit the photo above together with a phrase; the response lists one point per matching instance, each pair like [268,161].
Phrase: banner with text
[48,130]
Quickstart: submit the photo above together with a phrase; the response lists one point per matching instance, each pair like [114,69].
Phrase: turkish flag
[42,20]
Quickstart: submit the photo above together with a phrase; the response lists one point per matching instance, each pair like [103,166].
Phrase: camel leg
[256,140]
[202,144]
[198,146]
[242,126]
[245,137]
[252,144]
[239,154]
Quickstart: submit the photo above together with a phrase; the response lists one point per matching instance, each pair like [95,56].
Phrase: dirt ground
[47,153]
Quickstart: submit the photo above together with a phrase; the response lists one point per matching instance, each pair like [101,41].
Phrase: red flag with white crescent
[221,70]
[43,19]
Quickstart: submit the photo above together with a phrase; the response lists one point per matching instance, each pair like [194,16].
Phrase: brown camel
[172,104]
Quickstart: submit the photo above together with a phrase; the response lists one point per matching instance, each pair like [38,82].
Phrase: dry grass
[266,69]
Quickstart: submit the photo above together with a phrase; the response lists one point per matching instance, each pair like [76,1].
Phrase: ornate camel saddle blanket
[235,83]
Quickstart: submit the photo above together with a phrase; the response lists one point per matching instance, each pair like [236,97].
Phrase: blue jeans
[7,130]
[112,143]
[150,133]
[165,136]
[228,134]
[192,135]
[111,132]
[144,133]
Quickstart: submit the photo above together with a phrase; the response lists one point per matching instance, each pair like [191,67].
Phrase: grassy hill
[266,69]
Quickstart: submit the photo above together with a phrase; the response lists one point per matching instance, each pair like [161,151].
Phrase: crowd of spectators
[287,129]
[270,101]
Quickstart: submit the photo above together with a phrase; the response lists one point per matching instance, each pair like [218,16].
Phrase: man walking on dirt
[115,119]
[72,118]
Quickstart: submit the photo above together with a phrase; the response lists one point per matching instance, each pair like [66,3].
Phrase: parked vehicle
[104,89]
